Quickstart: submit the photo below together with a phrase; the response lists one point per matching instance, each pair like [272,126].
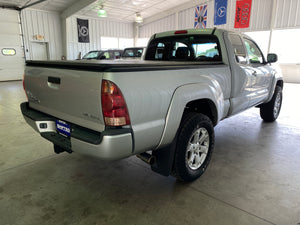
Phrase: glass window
[133,52]
[159,51]
[238,48]
[91,55]
[125,42]
[184,48]
[106,54]
[8,51]
[109,42]
[117,55]
[206,50]
[255,55]
[142,42]
[261,38]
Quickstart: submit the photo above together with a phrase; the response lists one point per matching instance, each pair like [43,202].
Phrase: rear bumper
[108,145]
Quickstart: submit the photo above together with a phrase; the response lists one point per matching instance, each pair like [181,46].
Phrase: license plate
[63,128]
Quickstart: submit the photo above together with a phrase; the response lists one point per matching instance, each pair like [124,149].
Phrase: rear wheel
[194,147]
[270,111]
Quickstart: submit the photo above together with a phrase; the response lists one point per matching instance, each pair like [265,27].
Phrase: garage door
[11,51]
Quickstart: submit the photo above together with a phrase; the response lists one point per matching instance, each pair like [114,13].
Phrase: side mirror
[271,58]
[241,59]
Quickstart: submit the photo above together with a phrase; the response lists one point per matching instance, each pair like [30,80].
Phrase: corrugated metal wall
[97,29]
[43,23]
[288,14]
[260,17]
[167,23]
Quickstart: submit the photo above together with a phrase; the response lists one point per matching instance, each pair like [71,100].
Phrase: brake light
[181,32]
[114,107]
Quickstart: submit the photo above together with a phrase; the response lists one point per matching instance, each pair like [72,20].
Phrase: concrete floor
[253,178]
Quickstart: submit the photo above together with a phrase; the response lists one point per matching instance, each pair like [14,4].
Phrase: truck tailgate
[66,94]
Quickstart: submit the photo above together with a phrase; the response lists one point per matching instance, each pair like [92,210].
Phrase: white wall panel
[287,14]
[165,24]
[97,29]
[48,24]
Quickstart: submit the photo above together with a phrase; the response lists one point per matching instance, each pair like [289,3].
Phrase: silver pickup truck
[163,108]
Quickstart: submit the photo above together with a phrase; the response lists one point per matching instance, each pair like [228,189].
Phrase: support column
[136,33]
[272,25]
[176,21]
[64,37]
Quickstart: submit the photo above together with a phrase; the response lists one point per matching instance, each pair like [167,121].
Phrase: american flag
[200,17]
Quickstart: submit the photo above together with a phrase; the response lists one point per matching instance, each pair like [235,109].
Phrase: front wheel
[194,147]
[270,111]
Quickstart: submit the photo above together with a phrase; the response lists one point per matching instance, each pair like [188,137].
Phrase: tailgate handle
[54,82]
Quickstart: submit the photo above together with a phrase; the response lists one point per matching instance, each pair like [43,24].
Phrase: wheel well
[204,106]
[280,84]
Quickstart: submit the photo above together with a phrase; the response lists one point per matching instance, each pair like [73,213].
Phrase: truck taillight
[114,107]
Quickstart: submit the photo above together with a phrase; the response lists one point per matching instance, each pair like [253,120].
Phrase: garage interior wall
[48,26]
[164,24]
[260,18]
[97,29]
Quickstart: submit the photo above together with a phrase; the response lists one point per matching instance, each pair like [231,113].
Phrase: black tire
[185,167]
[269,112]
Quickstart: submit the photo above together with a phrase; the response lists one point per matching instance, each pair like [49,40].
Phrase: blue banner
[220,12]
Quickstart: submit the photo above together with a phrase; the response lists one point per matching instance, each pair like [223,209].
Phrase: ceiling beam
[32,4]
[76,7]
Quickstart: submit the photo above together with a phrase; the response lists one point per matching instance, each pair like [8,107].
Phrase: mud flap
[164,159]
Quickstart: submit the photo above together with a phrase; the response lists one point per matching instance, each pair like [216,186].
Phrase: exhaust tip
[147,158]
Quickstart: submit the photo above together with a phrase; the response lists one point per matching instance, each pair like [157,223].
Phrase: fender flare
[181,97]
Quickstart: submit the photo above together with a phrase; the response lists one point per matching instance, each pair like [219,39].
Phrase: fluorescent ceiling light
[102,12]
[138,18]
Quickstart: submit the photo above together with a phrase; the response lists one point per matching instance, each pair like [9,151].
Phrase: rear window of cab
[185,48]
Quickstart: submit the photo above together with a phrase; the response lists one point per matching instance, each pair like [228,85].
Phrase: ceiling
[123,10]
[50,5]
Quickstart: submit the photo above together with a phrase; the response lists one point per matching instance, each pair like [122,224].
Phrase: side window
[117,55]
[255,55]
[238,48]
[139,52]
